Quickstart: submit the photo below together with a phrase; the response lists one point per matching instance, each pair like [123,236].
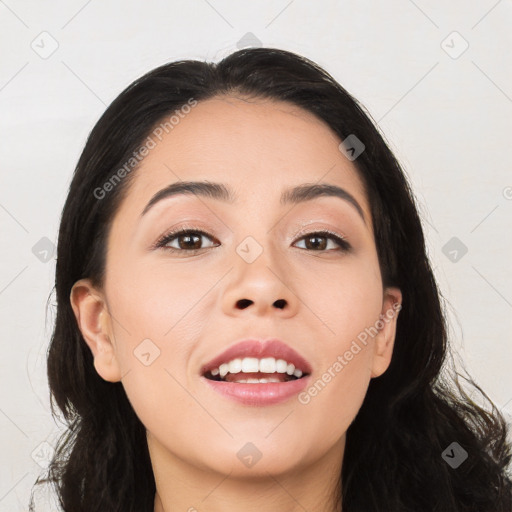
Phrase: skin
[186,304]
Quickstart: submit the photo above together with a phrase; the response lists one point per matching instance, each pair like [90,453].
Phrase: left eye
[190,240]
[342,244]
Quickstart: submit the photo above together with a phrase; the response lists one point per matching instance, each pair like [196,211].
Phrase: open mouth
[251,370]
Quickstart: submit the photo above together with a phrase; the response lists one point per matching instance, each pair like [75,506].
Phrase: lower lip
[267,393]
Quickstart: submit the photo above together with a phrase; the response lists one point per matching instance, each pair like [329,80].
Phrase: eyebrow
[221,192]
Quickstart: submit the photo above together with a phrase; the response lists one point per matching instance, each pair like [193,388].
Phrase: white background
[446,113]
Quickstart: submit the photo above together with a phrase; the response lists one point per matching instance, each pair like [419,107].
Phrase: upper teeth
[254,365]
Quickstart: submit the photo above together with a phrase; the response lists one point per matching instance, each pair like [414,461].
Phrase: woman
[247,318]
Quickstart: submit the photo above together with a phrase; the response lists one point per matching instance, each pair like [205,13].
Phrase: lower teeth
[256,381]
[251,380]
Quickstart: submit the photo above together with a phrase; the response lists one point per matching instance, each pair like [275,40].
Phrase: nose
[260,288]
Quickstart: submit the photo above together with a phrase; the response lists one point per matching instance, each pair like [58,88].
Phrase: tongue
[235,377]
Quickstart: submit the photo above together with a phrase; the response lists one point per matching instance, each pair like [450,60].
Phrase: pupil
[317,238]
[188,238]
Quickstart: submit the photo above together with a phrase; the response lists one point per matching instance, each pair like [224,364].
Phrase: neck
[183,486]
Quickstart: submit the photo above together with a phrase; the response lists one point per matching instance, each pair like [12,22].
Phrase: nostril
[280,303]
[243,303]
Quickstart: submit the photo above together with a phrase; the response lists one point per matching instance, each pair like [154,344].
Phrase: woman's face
[172,310]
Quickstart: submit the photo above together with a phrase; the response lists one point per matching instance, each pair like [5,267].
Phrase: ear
[385,338]
[94,321]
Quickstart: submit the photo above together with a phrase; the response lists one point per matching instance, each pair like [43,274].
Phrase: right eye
[187,240]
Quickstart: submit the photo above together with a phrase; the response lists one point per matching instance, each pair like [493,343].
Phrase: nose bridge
[259,257]
[258,244]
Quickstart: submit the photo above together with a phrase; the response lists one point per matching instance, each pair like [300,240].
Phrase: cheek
[156,302]
[346,299]
[156,326]
[349,305]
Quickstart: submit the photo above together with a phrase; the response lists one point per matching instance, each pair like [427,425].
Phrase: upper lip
[260,349]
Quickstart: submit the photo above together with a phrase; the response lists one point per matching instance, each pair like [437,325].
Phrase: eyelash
[344,246]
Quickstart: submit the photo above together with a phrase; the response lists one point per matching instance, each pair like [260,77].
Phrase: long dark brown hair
[411,414]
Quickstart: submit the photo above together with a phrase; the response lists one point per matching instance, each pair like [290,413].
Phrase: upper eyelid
[197,229]
[309,231]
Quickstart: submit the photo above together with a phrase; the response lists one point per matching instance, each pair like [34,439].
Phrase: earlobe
[93,320]
[385,339]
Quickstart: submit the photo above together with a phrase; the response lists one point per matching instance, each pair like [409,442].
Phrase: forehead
[257,146]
